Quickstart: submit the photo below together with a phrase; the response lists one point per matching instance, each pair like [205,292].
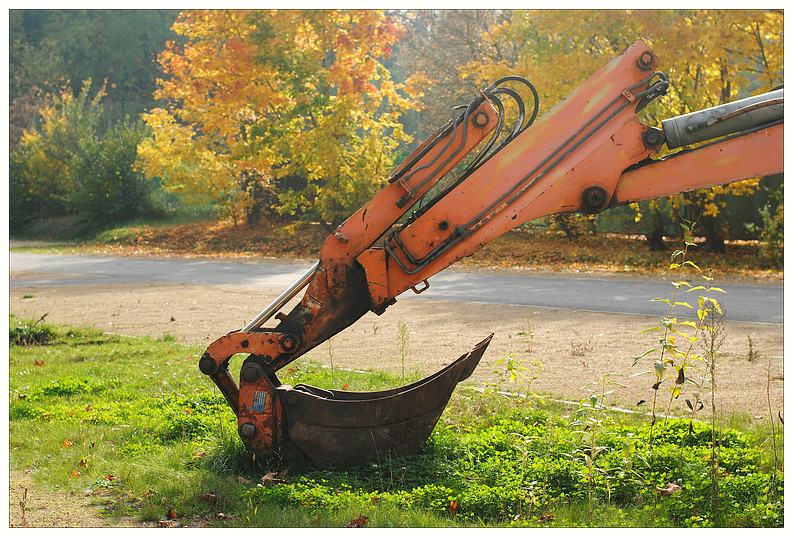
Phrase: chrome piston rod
[279,302]
[724,120]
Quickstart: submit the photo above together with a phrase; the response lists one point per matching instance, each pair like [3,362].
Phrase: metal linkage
[640,100]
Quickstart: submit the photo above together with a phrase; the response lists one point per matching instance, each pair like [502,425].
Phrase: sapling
[590,423]
[675,344]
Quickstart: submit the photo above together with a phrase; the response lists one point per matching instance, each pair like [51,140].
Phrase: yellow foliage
[261,94]
[706,54]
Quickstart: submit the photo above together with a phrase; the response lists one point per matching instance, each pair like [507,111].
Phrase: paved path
[741,303]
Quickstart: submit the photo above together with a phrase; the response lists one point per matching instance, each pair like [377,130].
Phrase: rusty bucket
[334,426]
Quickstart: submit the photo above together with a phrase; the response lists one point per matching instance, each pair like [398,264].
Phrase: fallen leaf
[453,507]
[208,497]
[76,473]
[671,488]
[67,443]
[171,514]
[39,363]
[273,478]
[359,522]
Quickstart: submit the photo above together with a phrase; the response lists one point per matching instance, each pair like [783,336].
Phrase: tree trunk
[656,237]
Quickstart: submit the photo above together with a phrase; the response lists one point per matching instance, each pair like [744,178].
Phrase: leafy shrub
[70,164]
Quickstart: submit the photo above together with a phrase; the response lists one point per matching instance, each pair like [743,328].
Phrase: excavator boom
[588,153]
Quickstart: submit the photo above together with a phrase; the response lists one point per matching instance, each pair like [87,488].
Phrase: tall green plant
[678,337]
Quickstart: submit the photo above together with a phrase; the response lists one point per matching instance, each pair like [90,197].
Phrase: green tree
[69,165]
[49,48]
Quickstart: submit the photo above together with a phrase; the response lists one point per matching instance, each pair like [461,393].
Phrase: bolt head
[645,61]
[594,199]
[289,343]
[250,372]
[207,365]
[480,120]
[247,430]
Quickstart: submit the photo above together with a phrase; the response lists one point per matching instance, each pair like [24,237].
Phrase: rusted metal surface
[332,426]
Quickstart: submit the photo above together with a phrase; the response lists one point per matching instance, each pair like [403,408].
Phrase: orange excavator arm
[588,153]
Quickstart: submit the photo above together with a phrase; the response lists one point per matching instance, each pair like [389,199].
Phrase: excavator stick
[586,154]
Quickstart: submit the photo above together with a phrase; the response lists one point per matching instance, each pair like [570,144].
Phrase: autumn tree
[286,103]
[710,57]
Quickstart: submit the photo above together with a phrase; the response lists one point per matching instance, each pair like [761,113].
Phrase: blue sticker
[259,401]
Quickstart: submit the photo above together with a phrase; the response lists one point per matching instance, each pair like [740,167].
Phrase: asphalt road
[740,303]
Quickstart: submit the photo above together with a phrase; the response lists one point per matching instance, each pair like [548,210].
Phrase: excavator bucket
[333,427]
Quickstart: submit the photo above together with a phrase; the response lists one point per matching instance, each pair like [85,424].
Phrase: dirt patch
[575,348]
[31,506]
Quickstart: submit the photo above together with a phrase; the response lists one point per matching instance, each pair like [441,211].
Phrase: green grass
[133,419]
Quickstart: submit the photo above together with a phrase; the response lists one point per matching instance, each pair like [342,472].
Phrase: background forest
[299,116]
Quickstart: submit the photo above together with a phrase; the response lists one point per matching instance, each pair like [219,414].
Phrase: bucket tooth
[335,427]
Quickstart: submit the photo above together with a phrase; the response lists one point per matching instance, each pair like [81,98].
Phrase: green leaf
[653,329]
[642,355]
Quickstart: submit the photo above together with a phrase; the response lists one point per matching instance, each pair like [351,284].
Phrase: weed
[403,336]
[676,343]
[516,372]
[30,332]
[712,338]
[772,422]
[752,354]
[330,358]
[582,345]
[528,333]
[591,425]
